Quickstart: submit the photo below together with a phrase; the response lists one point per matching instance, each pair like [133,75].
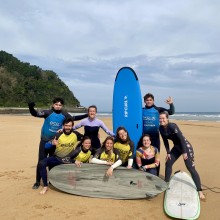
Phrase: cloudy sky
[173,46]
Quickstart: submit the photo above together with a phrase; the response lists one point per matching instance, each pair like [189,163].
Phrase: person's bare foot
[44,190]
[201,195]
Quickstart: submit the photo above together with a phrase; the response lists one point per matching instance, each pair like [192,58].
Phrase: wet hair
[67,120]
[148,95]
[57,99]
[128,141]
[140,142]
[92,106]
[165,113]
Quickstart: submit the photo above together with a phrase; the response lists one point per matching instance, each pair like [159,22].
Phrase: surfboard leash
[212,189]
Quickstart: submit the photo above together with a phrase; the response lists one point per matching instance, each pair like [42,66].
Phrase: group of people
[60,142]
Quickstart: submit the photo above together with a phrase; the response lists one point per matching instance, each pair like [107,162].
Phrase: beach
[20,135]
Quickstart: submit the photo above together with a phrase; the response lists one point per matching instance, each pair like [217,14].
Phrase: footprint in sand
[43,206]
[15,175]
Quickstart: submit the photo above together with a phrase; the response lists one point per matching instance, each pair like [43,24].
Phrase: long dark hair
[103,146]
[118,139]
[107,138]
[140,142]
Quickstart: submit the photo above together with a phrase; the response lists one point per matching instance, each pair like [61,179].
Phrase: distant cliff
[21,83]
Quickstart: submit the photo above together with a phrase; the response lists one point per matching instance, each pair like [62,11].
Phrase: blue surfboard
[127,104]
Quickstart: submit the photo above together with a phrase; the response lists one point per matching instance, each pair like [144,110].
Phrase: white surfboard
[181,197]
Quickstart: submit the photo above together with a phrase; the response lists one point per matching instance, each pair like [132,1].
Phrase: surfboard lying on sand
[90,180]
[127,104]
[181,197]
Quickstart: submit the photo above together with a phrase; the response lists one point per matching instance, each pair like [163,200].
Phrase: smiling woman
[170,131]
[91,127]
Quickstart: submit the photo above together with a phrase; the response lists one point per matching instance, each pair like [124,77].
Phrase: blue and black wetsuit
[151,124]
[52,123]
[181,146]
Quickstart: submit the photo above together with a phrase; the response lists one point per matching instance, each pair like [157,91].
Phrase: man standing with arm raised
[151,119]
[53,121]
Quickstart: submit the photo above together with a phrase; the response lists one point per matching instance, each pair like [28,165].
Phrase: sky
[173,46]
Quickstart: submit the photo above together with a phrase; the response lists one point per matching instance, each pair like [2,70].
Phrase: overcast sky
[173,46]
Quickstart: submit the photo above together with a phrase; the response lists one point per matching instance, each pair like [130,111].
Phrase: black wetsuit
[151,124]
[181,146]
[53,121]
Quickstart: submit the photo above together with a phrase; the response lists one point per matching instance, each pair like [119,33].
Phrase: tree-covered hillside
[21,82]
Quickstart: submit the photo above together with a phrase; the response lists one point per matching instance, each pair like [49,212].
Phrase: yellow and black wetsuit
[125,152]
[66,143]
[101,154]
[78,154]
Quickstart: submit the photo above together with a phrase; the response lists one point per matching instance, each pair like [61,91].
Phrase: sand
[19,148]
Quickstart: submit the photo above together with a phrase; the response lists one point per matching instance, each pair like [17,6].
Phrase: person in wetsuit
[170,131]
[91,127]
[147,156]
[107,155]
[65,151]
[150,114]
[125,146]
[53,120]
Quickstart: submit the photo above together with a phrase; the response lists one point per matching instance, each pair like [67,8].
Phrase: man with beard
[64,145]
[53,120]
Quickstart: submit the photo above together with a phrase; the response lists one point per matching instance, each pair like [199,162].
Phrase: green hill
[21,82]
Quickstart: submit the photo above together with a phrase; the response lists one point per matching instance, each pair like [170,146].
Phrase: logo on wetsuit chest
[54,123]
[125,106]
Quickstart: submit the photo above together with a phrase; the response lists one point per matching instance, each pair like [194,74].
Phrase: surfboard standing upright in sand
[127,104]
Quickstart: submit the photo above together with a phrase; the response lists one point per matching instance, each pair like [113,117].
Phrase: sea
[185,116]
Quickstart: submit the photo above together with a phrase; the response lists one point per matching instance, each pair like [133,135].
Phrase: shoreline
[17,111]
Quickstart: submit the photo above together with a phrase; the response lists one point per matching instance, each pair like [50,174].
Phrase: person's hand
[60,130]
[55,141]
[109,172]
[168,157]
[169,100]
[31,104]
[78,163]
[185,156]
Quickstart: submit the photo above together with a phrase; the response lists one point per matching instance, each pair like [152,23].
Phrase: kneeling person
[64,143]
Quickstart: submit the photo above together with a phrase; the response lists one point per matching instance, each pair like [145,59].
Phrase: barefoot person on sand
[181,147]
[53,120]
[65,151]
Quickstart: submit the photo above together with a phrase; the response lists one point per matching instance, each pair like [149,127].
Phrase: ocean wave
[186,116]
